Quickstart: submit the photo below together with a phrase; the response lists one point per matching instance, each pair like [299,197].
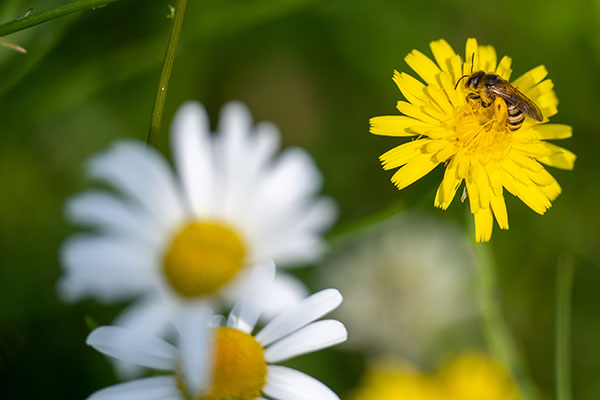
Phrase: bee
[485,87]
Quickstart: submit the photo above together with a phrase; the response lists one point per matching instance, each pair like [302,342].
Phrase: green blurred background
[320,70]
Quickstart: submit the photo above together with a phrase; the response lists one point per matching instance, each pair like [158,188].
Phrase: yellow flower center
[202,257]
[483,129]
[240,371]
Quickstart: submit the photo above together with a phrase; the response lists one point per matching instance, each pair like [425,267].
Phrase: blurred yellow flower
[471,376]
[474,143]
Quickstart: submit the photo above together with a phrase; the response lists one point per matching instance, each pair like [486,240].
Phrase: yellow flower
[473,142]
[396,381]
[471,376]
[474,376]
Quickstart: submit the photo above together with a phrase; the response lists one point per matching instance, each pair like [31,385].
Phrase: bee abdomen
[515,118]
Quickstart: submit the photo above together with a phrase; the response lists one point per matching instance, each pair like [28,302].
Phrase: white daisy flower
[422,265]
[196,237]
[231,363]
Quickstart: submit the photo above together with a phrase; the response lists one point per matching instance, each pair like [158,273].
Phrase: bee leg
[473,98]
[500,112]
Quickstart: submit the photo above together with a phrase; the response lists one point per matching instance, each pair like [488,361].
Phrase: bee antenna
[461,78]
[472,61]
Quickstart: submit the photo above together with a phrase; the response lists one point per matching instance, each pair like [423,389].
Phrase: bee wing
[513,96]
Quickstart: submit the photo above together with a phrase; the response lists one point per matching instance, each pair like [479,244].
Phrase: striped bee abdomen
[515,117]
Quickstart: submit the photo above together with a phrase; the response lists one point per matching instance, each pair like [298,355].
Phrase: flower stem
[178,13]
[496,332]
[564,284]
[48,15]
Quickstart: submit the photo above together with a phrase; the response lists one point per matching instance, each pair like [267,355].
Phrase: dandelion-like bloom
[231,363]
[471,376]
[474,142]
[198,238]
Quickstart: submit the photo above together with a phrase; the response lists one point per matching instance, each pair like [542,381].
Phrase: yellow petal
[530,78]
[447,189]
[483,186]
[411,88]
[559,158]
[473,192]
[419,113]
[534,198]
[527,191]
[403,154]
[471,54]
[412,172]
[552,131]
[483,225]
[443,53]
[541,89]
[464,164]
[492,170]
[455,96]
[525,161]
[448,150]
[503,68]
[515,170]
[534,148]
[541,177]
[487,58]
[438,132]
[393,125]
[423,66]
[499,209]
[551,191]
[438,96]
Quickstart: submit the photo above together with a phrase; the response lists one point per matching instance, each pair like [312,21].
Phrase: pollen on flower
[202,258]
[240,370]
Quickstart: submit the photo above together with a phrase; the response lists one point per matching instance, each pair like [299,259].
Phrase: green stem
[165,76]
[496,332]
[45,16]
[564,284]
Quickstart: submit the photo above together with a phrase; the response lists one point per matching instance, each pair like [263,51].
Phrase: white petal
[196,343]
[109,268]
[314,215]
[297,250]
[313,337]
[307,311]
[296,237]
[247,310]
[286,291]
[111,214]
[292,179]
[320,215]
[235,125]
[218,320]
[264,143]
[288,384]
[155,388]
[251,281]
[150,316]
[132,346]
[142,173]
[280,199]
[245,170]
[193,154]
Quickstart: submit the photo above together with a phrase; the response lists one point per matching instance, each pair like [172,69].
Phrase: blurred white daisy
[198,236]
[416,271]
[229,362]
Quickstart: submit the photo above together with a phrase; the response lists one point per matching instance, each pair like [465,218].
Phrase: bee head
[474,80]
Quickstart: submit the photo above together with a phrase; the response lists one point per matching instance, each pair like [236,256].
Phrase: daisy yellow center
[483,129]
[202,258]
[240,368]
